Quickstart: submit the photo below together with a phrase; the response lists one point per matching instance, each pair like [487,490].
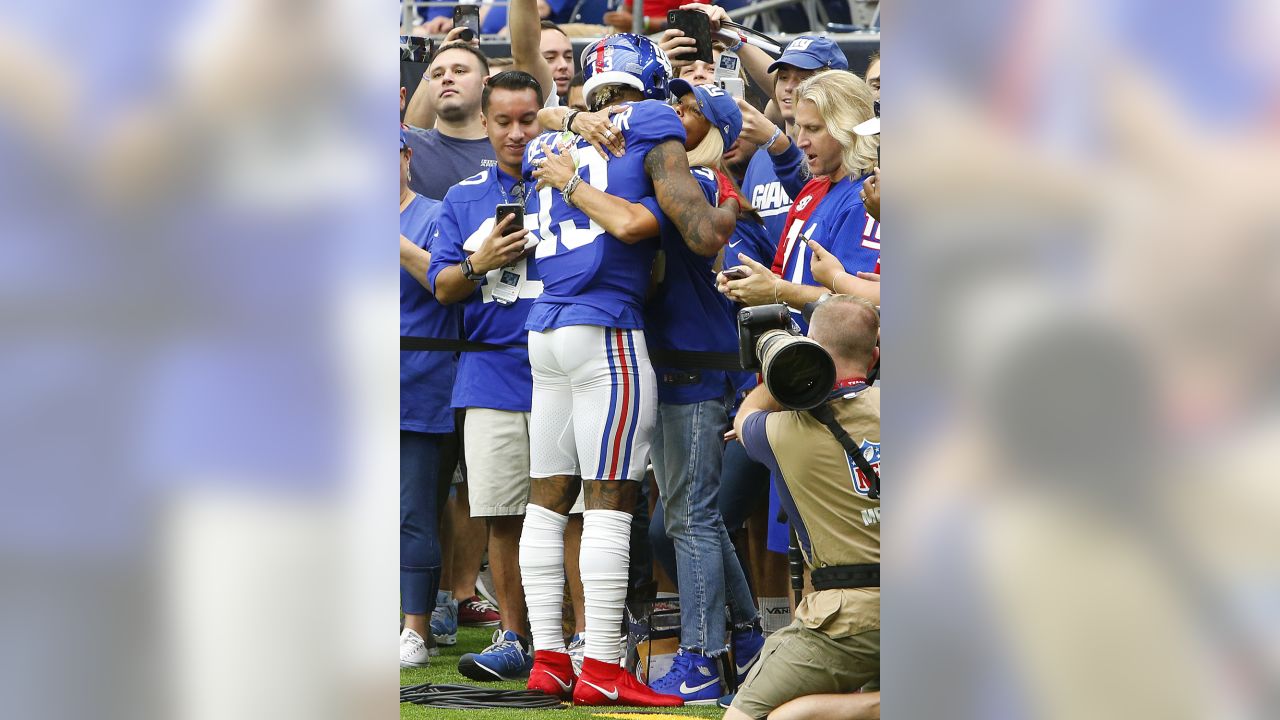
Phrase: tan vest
[838,523]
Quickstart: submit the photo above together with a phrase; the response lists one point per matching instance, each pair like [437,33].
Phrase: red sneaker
[603,683]
[552,674]
[475,611]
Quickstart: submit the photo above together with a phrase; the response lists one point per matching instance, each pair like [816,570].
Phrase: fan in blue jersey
[593,386]
[829,210]
[428,445]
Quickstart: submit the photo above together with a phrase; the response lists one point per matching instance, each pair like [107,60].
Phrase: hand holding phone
[696,25]
[736,273]
[467,16]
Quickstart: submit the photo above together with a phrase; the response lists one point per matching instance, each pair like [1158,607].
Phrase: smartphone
[727,66]
[736,272]
[506,209]
[733,86]
[467,16]
[696,25]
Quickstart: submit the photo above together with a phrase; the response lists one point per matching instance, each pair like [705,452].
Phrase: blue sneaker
[444,621]
[694,678]
[726,701]
[505,659]
[746,650]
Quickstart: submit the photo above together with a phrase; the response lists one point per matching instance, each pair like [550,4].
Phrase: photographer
[833,646]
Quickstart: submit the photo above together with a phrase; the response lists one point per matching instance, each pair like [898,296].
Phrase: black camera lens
[798,371]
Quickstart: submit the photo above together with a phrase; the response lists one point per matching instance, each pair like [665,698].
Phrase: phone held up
[507,290]
[467,16]
[696,25]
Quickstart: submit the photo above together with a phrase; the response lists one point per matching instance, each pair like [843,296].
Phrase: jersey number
[568,233]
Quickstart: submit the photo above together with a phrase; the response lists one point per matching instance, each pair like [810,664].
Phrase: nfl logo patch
[862,483]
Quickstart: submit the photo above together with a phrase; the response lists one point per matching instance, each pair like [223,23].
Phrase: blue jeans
[688,447]
[426,462]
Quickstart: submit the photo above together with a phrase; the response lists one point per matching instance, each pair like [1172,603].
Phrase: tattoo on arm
[705,229]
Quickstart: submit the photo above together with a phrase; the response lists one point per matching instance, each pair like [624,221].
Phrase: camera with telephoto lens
[798,371]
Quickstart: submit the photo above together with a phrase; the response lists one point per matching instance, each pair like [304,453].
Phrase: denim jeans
[426,461]
[744,488]
[688,448]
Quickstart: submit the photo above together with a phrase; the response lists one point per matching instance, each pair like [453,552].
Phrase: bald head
[848,327]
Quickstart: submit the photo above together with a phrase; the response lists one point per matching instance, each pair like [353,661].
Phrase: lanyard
[517,189]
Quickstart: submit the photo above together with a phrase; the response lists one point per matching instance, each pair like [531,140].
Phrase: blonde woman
[829,210]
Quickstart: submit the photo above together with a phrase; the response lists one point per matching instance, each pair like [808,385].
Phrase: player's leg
[614,405]
[552,492]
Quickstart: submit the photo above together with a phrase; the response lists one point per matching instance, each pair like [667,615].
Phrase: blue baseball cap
[716,105]
[810,52]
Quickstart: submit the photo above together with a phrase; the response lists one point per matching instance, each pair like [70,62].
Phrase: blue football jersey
[590,277]
[768,193]
[497,379]
[426,377]
[686,312]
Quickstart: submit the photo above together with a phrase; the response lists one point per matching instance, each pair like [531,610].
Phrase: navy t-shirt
[426,377]
[439,162]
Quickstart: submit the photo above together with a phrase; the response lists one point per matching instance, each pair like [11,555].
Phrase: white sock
[605,559]
[542,573]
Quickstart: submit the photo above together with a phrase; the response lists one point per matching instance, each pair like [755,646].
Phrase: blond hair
[844,101]
[710,152]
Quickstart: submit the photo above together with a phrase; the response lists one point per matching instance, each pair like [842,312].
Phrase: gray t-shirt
[440,161]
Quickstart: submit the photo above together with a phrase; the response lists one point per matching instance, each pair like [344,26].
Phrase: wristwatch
[469,272]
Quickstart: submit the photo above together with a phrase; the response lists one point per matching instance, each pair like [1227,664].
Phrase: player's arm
[594,127]
[525,29]
[629,222]
[415,261]
[705,229]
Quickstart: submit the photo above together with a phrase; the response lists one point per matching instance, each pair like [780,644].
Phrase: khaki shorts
[496,445]
[797,661]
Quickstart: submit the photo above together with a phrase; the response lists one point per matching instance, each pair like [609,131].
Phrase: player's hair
[458,45]
[844,101]
[606,95]
[847,326]
[510,80]
[548,25]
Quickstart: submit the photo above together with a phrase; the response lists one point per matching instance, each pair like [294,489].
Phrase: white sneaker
[413,650]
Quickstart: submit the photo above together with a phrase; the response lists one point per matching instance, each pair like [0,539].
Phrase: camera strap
[824,415]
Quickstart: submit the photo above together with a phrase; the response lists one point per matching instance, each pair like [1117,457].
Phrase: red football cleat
[552,674]
[603,683]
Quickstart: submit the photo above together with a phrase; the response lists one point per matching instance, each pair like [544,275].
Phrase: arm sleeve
[789,167]
[755,438]
[446,243]
[650,123]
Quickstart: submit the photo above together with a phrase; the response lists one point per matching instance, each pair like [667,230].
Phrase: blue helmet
[626,59]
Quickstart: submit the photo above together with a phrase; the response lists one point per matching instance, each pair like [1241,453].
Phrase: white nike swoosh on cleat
[563,685]
[685,689]
[611,695]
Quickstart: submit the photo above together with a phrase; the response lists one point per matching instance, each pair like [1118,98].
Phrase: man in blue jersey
[428,444]
[593,386]
[484,265]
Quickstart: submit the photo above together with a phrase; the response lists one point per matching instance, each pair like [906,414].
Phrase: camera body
[798,371]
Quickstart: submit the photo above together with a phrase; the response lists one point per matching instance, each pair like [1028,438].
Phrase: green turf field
[444,669]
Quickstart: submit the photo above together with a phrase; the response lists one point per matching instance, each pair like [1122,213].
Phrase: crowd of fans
[567,239]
